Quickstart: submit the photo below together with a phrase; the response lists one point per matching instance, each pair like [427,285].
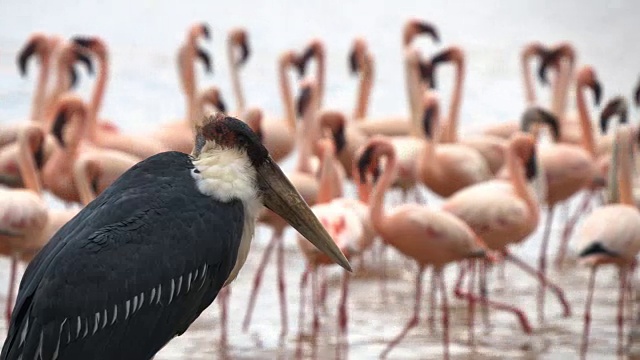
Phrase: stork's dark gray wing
[131,271]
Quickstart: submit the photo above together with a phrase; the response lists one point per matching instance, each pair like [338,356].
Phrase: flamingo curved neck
[96,99]
[327,190]
[186,58]
[454,107]
[529,90]
[287,97]
[37,104]
[376,205]
[588,141]
[519,182]
[320,76]
[624,171]
[27,164]
[364,89]
[235,80]
[561,89]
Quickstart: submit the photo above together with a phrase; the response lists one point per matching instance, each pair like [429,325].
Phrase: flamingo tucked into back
[611,235]
[431,237]
[26,224]
[179,135]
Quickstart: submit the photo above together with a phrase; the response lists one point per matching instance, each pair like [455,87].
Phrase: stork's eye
[242,140]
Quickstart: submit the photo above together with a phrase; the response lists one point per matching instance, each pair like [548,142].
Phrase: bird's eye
[242,140]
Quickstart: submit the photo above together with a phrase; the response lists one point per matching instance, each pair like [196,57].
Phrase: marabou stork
[142,261]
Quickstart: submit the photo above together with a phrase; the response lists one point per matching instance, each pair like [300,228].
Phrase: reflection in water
[144,91]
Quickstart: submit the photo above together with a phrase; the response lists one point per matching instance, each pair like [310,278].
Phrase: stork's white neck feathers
[226,174]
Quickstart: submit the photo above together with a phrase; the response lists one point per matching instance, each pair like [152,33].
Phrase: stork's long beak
[281,197]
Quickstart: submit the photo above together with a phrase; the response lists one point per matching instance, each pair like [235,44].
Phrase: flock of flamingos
[494,184]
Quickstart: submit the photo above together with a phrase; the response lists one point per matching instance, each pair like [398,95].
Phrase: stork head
[225,148]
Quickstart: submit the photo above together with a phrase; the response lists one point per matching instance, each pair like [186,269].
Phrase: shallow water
[143,91]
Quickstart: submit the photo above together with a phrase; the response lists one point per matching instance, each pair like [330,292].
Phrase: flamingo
[569,168]
[402,125]
[361,63]
[279,133]
[8,153]
[348,223]
[140,146]
[179,135]
[446,168]
[58,171]
[237,38]
[603,243]
[305,181]
[430,237]
[506,129]
[26,224]
[504,212]
[490,147]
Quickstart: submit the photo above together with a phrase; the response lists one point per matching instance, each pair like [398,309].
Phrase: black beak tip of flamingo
[597,91]
[85,42]
[222,106]
[24,56]
[206,31]
[83,58]
[353,62]
[245,52]
[636,96]
[364,162]
[203,55]
[427,121]
[58,126]
[339,139]
[424,27]
[304,99]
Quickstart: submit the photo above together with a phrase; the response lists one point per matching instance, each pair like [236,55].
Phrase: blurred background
[143,91]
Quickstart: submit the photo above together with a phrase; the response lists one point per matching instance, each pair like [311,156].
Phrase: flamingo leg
[324,288]
[570,225]
[225,293]
[12,287]
[622,272]
[383,265]
[472,305]
[522,318]
[314,301]
[431,318]
[543,263]
[484,293]
[543,279]
[587,313]
[304,278]
[445,314]
[413,322]
[343,317]
[282,291]
[257,280]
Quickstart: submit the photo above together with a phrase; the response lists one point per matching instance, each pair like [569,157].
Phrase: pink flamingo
[431,237]
[505,129]
[179,135]
[402,125]
[506,212]
[306,182]
[139,146]
[490,147]
[602,242]
[348,223]
[569,169]
[446,168]
[25,221]
[237,38]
